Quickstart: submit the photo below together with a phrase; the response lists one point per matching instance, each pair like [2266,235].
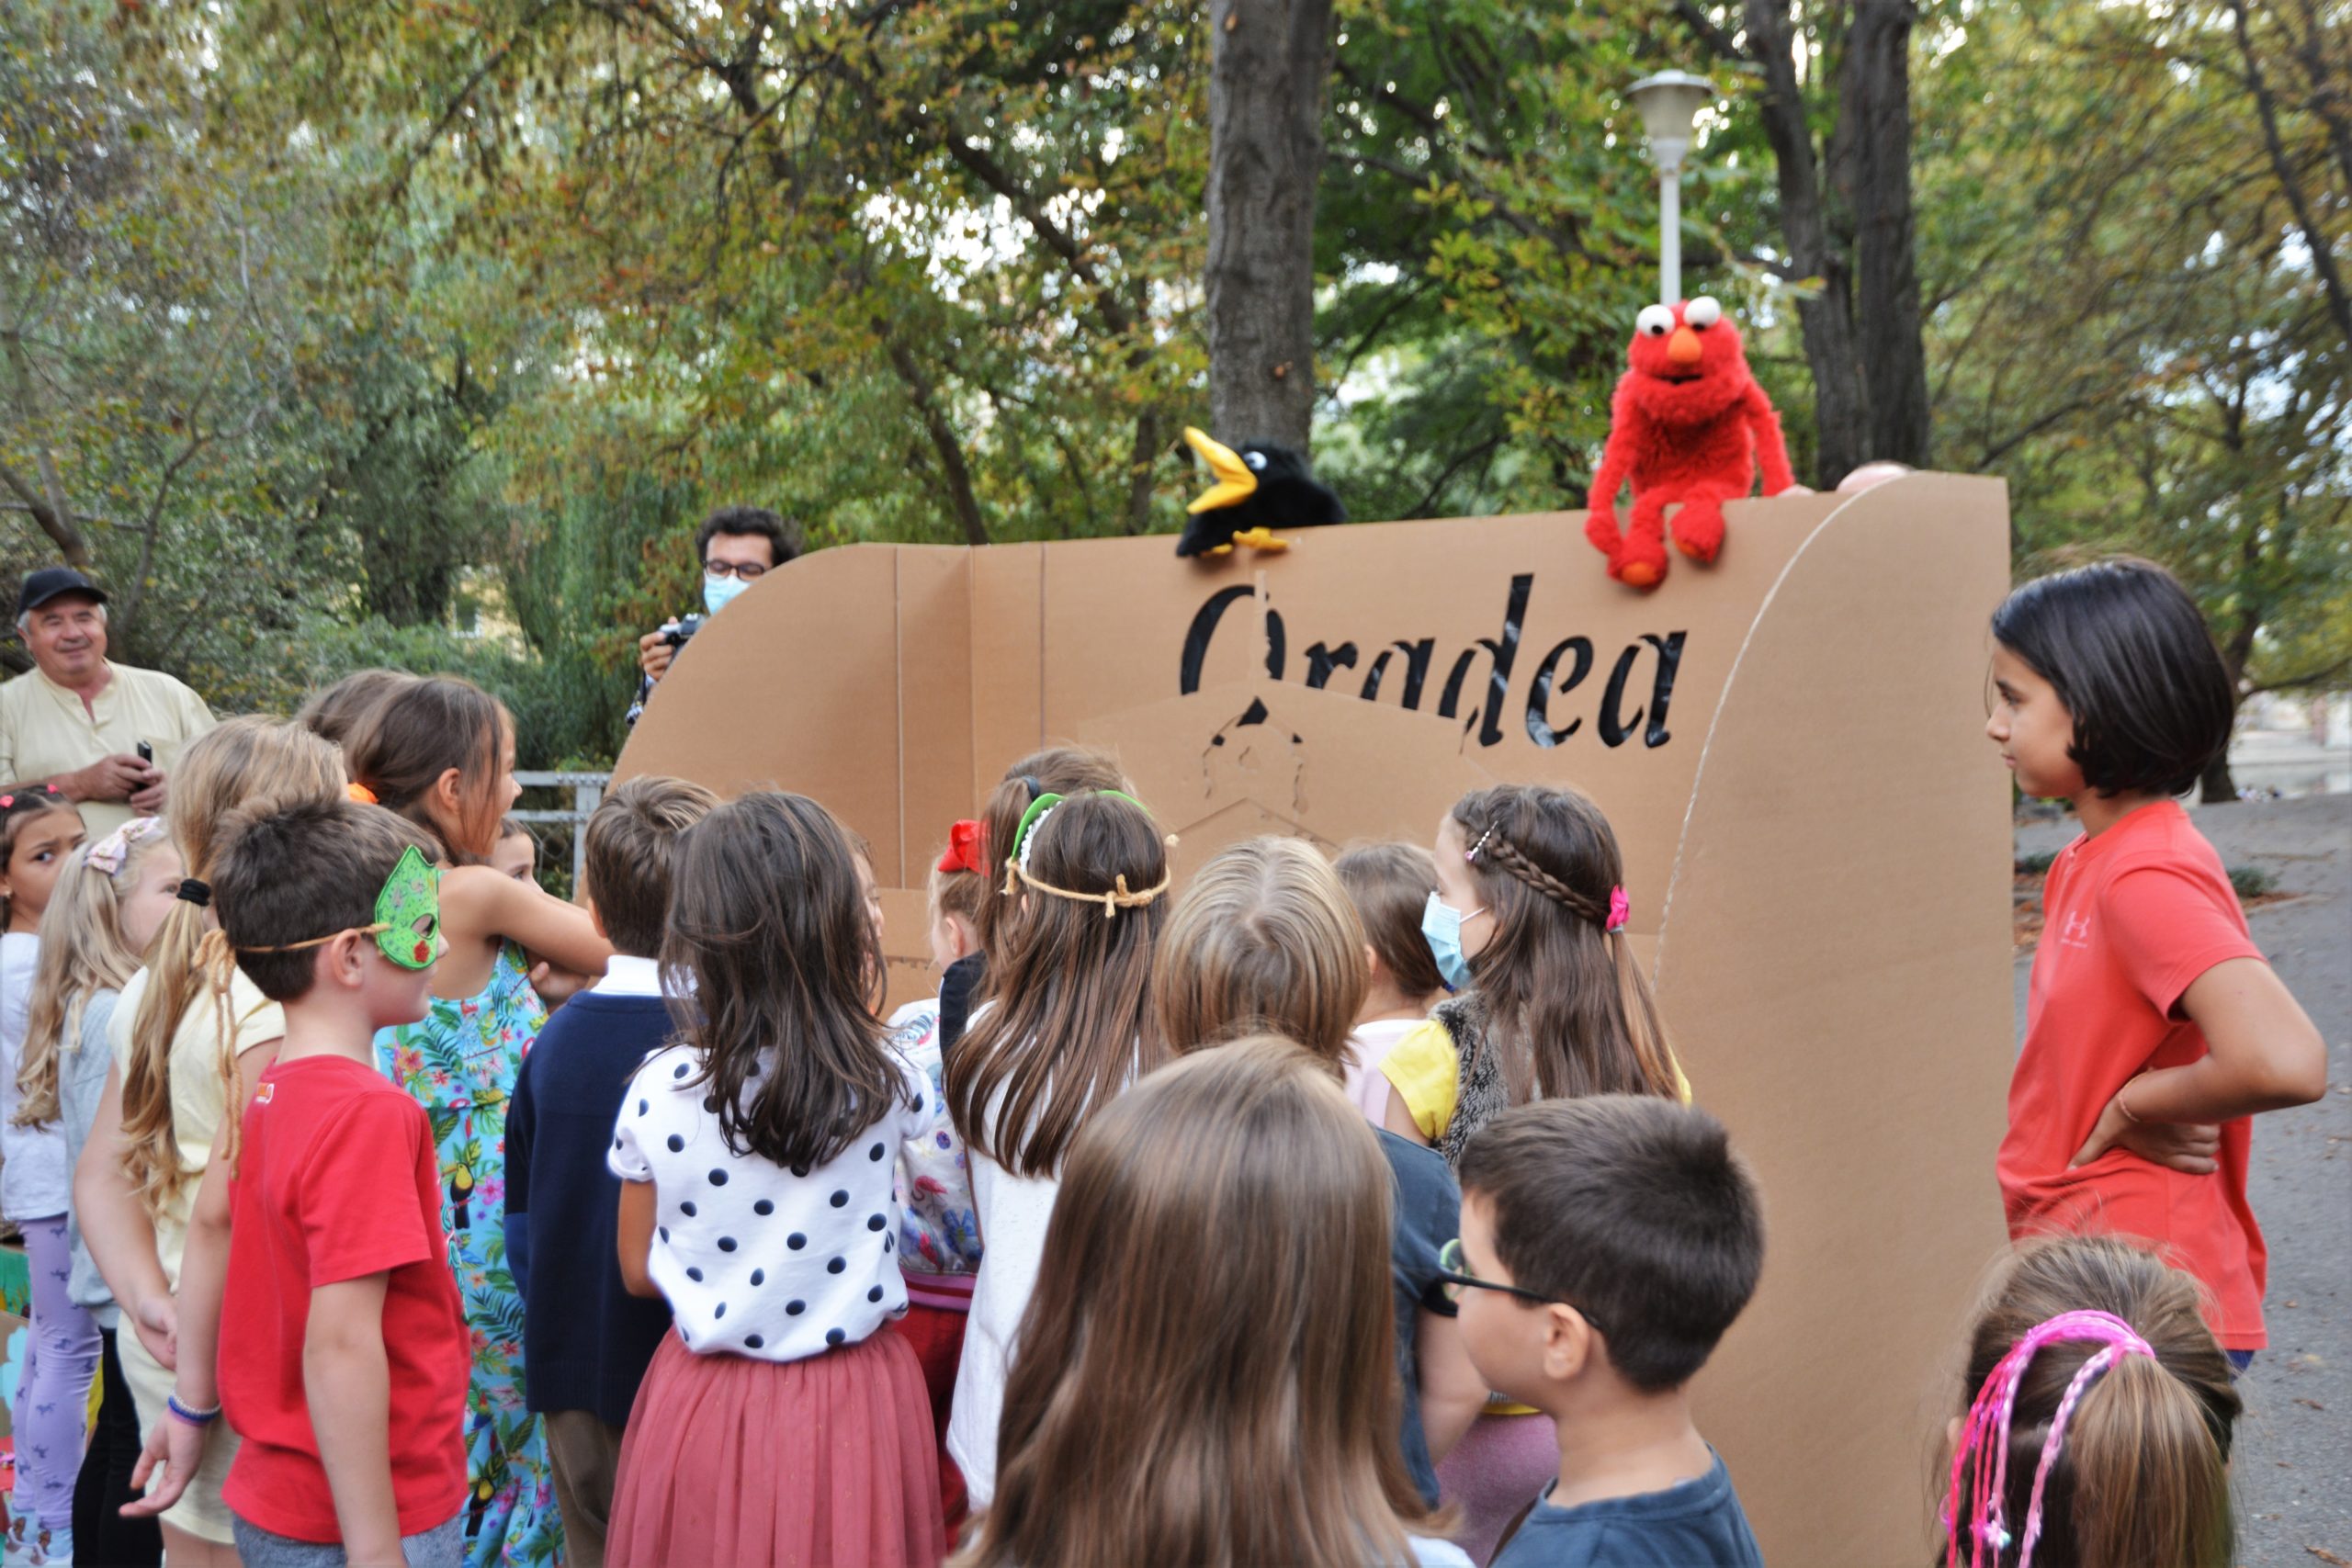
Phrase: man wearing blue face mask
[737,547]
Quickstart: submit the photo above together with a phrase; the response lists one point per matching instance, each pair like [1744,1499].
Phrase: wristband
[194,1417]
[2126,1109]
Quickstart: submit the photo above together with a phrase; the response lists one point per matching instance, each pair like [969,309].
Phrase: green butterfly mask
[408,913]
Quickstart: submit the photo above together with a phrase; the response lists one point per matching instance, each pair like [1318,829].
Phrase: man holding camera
[737,547]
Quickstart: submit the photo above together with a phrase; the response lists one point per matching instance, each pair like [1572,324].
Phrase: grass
[2252,881]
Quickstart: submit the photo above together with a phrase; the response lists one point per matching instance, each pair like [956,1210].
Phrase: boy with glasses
[1607,1243]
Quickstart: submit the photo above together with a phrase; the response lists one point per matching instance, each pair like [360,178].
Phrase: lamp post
[1669,102]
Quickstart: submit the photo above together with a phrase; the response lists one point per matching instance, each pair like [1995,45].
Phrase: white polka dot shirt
[755,1259]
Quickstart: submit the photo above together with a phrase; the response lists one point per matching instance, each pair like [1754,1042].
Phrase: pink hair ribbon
[1985,1434]
[1620,909]
[108,854]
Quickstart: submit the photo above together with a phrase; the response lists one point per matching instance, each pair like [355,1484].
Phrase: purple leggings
[53,1395]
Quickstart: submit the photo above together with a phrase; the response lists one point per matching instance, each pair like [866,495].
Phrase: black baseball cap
[50,581]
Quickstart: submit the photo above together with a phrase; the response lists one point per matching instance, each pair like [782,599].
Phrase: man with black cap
[79,722]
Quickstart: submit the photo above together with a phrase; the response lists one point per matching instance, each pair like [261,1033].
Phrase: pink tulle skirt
[731,1462]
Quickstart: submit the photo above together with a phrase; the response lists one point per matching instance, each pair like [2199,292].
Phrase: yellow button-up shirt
[45,732]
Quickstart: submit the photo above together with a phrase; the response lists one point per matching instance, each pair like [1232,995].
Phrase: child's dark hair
[331,713]
[630,852]
[1072,1021]
[1566,1001]
[1389,885]
[1057,770]
[2127,652]
[293,873]
[400,745]
[513,827]
[2143,1474]
[767,921]
[1632,1208]
[20,806]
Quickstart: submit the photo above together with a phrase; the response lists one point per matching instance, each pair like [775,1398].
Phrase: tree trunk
[1826,318]
[1845,218]
[2215,785]
[1268,64]
[1875,101]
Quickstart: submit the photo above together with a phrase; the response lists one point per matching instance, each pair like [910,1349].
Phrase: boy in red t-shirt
[319,1236]
[2154,1028]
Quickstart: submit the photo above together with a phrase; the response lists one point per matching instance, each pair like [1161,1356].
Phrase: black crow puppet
[1259,489]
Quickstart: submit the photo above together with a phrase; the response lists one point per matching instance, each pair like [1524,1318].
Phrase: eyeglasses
[1454,1268]
[742,571]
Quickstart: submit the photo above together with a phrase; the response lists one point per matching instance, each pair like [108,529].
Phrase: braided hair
[1566,1006]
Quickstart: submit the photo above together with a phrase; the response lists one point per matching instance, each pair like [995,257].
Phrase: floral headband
[110,853]
[1986,1435]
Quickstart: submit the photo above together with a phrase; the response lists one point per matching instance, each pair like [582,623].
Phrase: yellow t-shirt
[45,732]
[1425,1070]
[199,1097]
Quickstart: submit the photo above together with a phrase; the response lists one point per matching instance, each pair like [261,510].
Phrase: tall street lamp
[1668,103]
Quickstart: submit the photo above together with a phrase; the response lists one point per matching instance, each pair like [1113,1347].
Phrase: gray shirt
[82,1064]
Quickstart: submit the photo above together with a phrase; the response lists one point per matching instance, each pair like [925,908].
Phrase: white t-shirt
[1361,1067]
[34,1180]
[755,1259]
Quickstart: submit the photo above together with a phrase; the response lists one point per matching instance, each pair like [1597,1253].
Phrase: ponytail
[2151,1478]
[243,761]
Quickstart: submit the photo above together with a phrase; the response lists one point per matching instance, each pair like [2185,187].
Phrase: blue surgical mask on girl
[1442,929]
[717,592]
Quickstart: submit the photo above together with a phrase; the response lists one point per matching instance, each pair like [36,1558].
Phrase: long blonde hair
[82,952]
[243,762]
[1206,1372]
[1265,940]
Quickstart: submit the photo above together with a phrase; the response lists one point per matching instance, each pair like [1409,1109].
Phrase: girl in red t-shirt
[2154,1028]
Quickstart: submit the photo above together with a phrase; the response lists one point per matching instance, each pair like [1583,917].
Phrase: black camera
[676,635]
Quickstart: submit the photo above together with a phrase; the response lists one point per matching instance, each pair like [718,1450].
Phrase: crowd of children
[1318,1213]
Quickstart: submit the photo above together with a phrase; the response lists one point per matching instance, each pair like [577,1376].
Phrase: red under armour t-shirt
[335,1180]
[2132,918]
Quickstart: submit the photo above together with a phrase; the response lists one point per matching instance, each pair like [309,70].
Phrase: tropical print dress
[459,1062]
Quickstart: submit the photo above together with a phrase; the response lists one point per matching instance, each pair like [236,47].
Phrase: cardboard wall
[1788,746]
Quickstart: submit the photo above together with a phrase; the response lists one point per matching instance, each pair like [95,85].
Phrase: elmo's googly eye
[1655,320]
[1257,460]
[1702,313]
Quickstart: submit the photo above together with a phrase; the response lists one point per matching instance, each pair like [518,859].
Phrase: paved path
[2293,1468]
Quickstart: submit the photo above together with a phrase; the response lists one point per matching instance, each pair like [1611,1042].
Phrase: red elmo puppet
[1686,426]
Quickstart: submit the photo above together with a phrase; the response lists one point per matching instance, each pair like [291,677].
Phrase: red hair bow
[964,850]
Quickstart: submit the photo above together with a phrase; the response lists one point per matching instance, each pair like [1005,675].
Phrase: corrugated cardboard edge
[1835,967]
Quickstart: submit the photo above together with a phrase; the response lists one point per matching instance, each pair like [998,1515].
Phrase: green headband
[1045,802]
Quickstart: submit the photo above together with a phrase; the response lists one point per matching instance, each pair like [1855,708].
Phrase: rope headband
[1514,862]
[1117,897]
[1985,1434]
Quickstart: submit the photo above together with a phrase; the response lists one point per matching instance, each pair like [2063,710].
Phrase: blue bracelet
[192,1416]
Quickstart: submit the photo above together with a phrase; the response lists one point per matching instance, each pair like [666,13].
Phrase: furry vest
[1480,1093]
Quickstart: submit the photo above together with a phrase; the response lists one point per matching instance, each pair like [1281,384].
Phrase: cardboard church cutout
[1788,744]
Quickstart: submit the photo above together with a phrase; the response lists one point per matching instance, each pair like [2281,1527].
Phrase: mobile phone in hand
[146,753]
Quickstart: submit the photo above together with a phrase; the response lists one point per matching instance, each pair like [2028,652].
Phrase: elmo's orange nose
[1683,348]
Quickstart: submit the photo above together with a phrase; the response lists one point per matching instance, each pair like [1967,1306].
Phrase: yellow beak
[1234,480]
